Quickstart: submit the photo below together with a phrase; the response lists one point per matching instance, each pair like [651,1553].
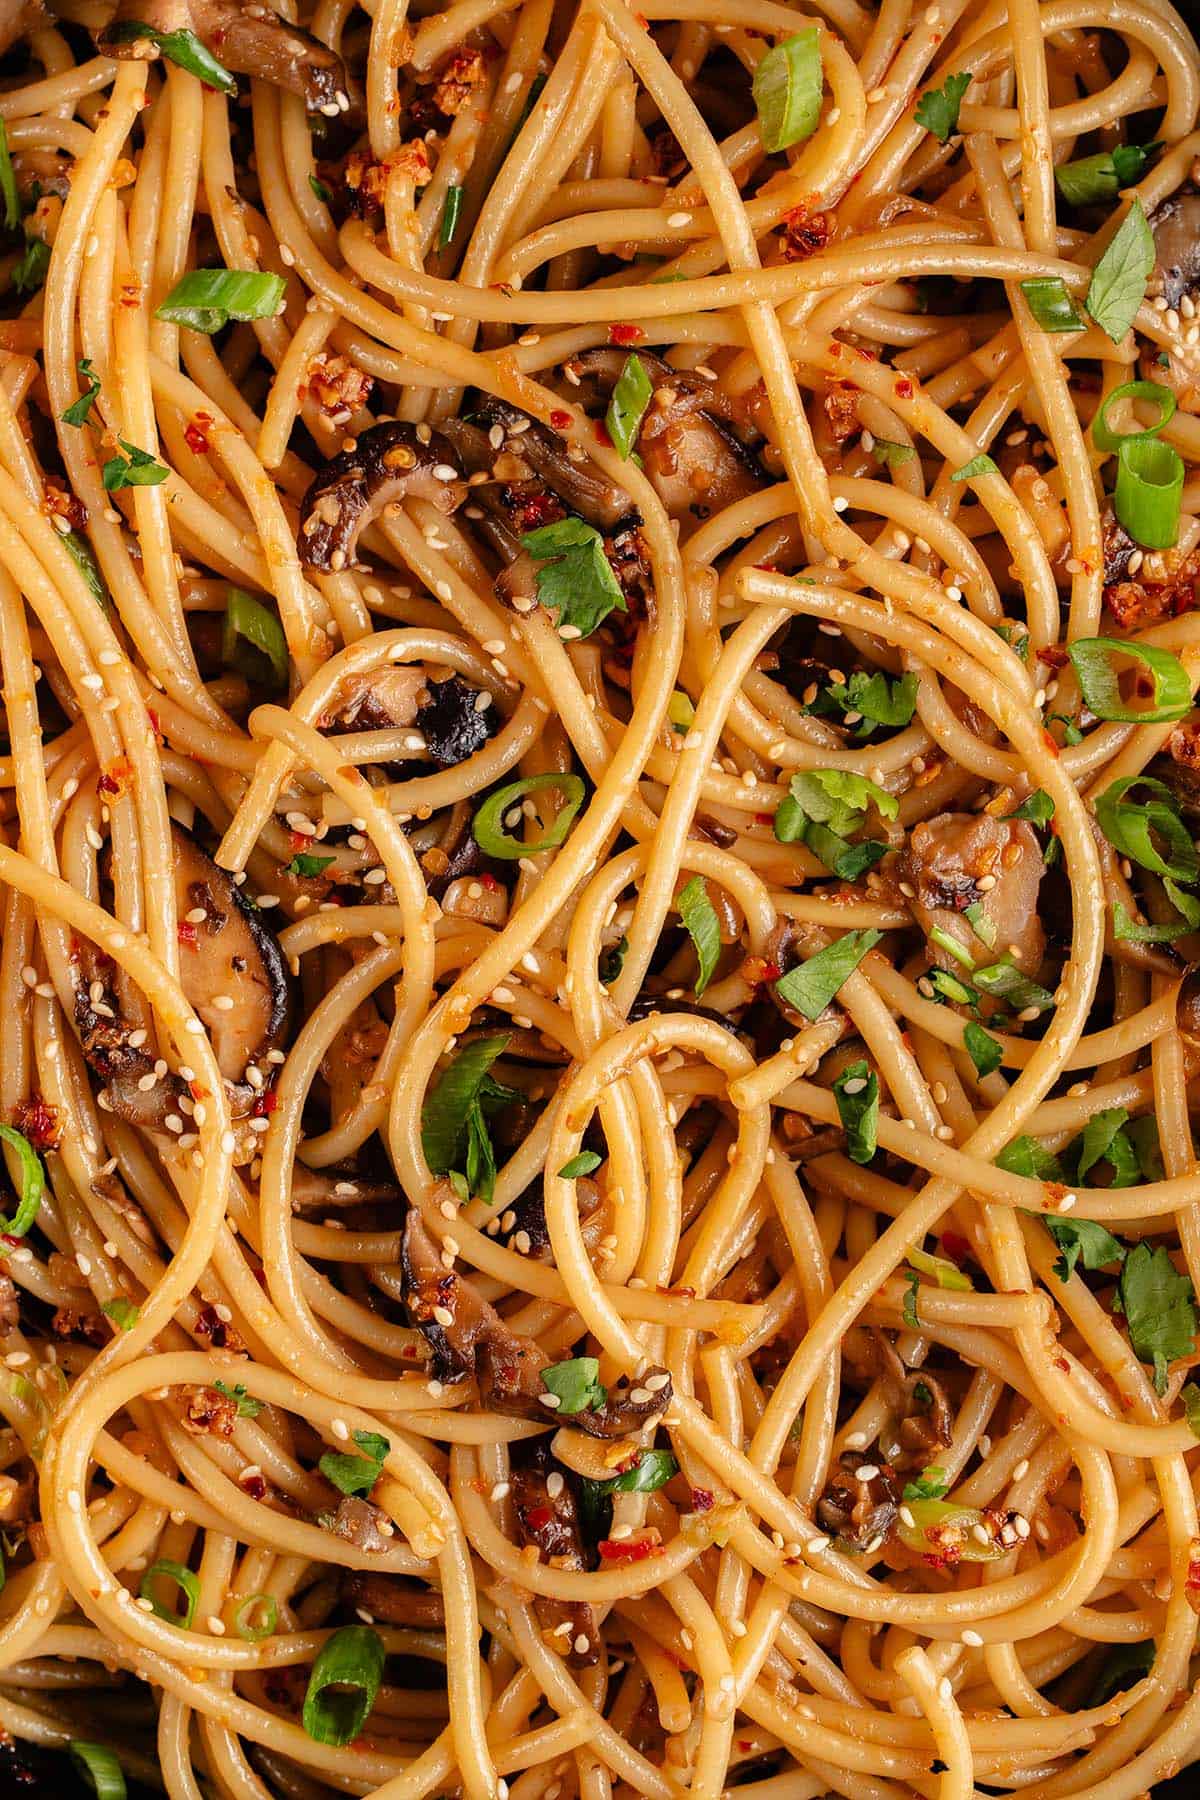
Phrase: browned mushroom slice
[466,1335]
[860,1503]
[376,699]
[628,1407]
[247,40]
[519,450]
[313,1188]
[695,459]
[971,859]
[1176,228]
[524,1224]
[453,723]
[233,973]
[544,1504]
[394,1599]
[362,1524]
[1187,1012]
[922,1416]
[388,463]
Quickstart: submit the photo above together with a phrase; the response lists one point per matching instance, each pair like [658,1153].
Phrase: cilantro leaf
[356,1474]
[1118,284]
[937,109]
[812,985]
[982,1048]
[1026,1156]
[1104,1141]
[140,470]
[700,917]
[1191,1407]
[1159,1309]
[1122,1668]
[978,465]
[1038,808]
[306,866]
[869,700]
[8,183]
[30,270]
[586,1163]
[77,412]
[1081,1240]
[247,1406]
[454,1134]
[574,577]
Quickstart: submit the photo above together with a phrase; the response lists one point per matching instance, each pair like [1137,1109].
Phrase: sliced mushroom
[547,1518]
[394,1599]
[248,40]
[520,450]
[468,1336]
[362,1524]
[695,459]
[376,699]
[1176,228]
[388,463]
[861,1502]
[922,1415]
[525,1220]
[233,973]
[1187,1012]
[971,859]
[313,1188]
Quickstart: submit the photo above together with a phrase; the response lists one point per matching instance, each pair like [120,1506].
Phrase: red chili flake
[254,1485]
[767,568]
[14,1243]
[560,420]
[602,434]
[538,1517]
[155,726]
[112,780]
[771,971]
[955,1247]
[835,349]
[1050,744]
[299,840]
[745,1745]
[702,1500]
[489,882]
[37,1120]
[625,334]
[764,818]
[186,932]
[265,1104]
[195,434]
[1062,1365]
[904,388]
[628,1550]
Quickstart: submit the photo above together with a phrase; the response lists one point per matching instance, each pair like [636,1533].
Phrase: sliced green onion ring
[1092,659]
[342,1687]
[1103,435]
[243,1618]
[248,619]
[188,1585]
[205,299]
[941,1529]
[1149,491]
[33,1183]
[100,1765]
[488,826]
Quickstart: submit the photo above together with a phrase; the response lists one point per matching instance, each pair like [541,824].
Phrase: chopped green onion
[680,711]
[342,1687]
[909,1309]
[33,1183]
[1004,981]
[627,407]
[942,938]
[243,1622]
[101,1767]
[320,190]
[206,299]
[948,1532]
[856,1091]
[979,922]
[140,470]
[30,270]
[576,1383]
[8,183]
[248,621]
[1092,659]
[80,552]
[1149,492]
[978,465]
[812,985]
[700,918]
[1127,825]
[123,1313]
[1103,435]
[488,824]
[188,1585]
[941,1270]
[183,48]
[1051,305]
[948,987]
[586,1163]
[1118,284]
[787,90]
[451,208]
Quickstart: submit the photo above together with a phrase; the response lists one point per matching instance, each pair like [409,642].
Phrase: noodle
[600,934]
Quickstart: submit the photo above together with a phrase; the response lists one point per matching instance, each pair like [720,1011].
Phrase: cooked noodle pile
[599,975]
